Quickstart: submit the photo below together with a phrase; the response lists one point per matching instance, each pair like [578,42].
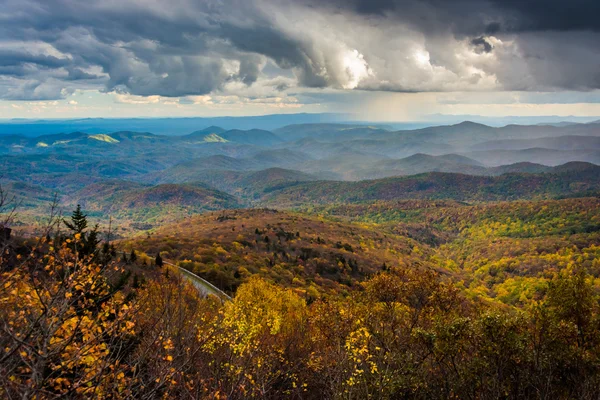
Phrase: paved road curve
[205,287]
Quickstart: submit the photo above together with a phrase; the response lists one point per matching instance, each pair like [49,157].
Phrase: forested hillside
[425,299]
[293,165]
[360,262]
[573,179]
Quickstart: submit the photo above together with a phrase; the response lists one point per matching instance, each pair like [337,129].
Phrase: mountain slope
[143,204]
[327,132]
[554,143]
[257,184]
[443,186]
[280,157]
[495,158]
[306,252]
[240,183]
[207,135]
[256,137]
[421,163]
[523,167]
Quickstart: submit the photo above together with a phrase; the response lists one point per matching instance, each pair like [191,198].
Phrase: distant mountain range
[574,179]
[215,167]
[166,126]
[573,142]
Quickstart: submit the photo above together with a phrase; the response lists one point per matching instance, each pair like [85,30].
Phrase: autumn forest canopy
[261,264]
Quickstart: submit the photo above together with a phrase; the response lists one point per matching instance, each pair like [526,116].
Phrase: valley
[145,179]
[345,258]
[321,208]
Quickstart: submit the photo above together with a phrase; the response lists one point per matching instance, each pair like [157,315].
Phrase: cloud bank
[264,50]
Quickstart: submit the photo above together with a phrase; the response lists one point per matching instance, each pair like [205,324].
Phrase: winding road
[203,286]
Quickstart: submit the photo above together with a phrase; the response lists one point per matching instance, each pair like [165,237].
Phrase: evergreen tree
[105,253]
[78,222]
[136,282]
[132,256]
[87,241]
[91,240]
[158,261]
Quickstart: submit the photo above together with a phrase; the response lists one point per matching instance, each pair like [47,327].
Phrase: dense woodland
[403,299]
[473,279]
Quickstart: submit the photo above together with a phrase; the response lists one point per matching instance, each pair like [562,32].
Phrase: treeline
[75,325]
[576,182]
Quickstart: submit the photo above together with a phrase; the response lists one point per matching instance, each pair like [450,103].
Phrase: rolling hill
[467,161]
[257,137]
[300,251]
[420,163]
[495,158]
[246,184]
[146,206]
[256,184]
[280,157]
[565,181]
[573,142]
[466,134]
[326,132]
[200,134]
[523,167]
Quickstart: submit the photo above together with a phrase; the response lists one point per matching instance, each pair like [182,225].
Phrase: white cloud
[275,53]
[126,98]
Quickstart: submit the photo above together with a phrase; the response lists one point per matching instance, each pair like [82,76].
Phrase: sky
[386,60]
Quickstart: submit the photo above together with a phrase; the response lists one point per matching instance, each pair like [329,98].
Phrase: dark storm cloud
[198,47]
[287,52]
[10,57]
[515,15]
[460,17]
[481,44]
[556,15]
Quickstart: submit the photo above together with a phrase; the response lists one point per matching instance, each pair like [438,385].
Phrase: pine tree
[78,221]
[158,261]
[91,240]
[105,253]
[88,241]
[132,256]
[136,282]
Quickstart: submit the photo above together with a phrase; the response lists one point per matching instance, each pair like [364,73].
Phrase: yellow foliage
[64,320]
